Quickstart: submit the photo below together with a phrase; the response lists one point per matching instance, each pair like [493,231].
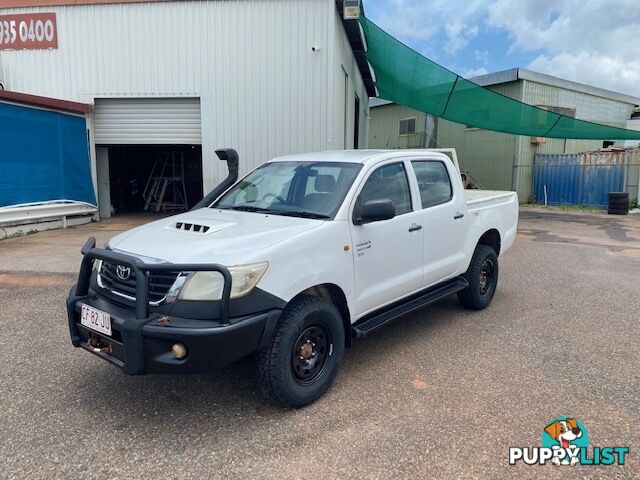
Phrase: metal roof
[516,74]
[52,3]
[45,102]
[378,102]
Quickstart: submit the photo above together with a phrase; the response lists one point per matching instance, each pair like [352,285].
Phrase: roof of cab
[353,156]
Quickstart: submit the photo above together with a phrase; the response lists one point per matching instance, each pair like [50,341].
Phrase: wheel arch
[491,238]
[335,295]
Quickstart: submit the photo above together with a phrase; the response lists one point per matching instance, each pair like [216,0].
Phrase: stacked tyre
[618,203]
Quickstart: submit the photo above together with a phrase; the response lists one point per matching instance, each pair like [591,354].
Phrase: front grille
[159,283]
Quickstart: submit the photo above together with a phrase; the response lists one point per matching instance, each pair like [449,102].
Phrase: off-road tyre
[613,195]
[309,330]
[482,276]
[619,203]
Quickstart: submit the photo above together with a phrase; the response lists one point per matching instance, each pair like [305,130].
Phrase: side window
[434,182]
[407,126]
[388,182]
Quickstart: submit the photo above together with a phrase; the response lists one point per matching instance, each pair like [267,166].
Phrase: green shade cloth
[405,77]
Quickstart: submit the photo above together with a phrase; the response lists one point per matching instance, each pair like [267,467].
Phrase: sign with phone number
[29,31]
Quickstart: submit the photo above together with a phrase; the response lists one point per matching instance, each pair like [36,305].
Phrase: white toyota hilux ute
[291,263]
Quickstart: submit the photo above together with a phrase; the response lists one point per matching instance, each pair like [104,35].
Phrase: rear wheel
[482,276]
[300,362]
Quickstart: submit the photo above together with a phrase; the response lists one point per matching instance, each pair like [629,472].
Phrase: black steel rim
[310,354]
[486,276]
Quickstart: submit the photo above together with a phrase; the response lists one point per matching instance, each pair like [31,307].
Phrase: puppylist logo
[565,441]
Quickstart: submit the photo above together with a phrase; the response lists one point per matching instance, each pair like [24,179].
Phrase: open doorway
[148,178]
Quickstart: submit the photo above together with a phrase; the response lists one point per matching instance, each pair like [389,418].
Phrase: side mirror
[376,211]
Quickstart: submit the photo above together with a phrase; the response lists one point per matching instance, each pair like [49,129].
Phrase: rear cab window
[434,182]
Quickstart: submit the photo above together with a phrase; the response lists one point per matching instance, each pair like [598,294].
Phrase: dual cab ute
[292,262]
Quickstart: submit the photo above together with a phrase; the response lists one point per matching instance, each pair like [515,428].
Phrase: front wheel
[482,276]
[300,362]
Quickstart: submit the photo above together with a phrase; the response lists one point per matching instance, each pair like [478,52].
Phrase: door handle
[415,227]
[458,216]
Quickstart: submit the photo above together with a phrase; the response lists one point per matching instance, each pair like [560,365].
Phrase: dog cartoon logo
[565,441]
[567,434]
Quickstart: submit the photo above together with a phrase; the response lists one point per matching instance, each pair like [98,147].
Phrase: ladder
[165,190]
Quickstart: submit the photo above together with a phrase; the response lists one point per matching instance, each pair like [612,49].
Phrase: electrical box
[351,9]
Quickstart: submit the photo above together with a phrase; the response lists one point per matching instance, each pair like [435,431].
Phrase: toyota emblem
[123,272]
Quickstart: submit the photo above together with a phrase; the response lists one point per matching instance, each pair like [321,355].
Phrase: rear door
[443,217]
[388,253]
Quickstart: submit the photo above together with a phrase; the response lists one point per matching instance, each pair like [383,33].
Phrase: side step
[379,319]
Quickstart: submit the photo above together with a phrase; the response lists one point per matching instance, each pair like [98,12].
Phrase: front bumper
[141,340]
[144,346]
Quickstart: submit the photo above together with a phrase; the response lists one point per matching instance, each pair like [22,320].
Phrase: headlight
[209,285]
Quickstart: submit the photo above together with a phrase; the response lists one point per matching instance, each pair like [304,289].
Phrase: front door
[388,253]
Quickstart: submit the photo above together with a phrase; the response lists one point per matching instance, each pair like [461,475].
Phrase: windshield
[304,189]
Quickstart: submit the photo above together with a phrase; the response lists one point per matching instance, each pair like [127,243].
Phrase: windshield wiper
[246,208]
[271,211]
[302,214]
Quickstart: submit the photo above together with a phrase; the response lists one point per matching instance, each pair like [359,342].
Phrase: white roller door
[147,121]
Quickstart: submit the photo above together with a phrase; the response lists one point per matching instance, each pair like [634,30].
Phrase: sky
[596,42]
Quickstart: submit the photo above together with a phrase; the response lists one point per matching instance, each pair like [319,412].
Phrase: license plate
[95,319]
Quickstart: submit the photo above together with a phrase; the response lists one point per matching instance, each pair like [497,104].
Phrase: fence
[585,178]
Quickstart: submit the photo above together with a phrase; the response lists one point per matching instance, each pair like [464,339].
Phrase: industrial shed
[500,160]
[169,82]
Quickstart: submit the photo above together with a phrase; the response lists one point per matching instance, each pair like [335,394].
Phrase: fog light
[179,350]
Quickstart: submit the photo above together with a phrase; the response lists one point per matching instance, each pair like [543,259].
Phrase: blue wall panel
[568,182]
[44,156]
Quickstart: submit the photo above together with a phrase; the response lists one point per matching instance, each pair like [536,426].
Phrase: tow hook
[98,345]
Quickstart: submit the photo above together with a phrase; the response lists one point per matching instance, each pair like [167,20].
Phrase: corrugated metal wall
[503,161]
[262,88]
[488,156]
[384,124]
[633,124]
[343,62]
[588,107]
[585,178]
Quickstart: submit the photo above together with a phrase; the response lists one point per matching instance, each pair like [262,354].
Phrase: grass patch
[580,208]
[20,233]
[565,208]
